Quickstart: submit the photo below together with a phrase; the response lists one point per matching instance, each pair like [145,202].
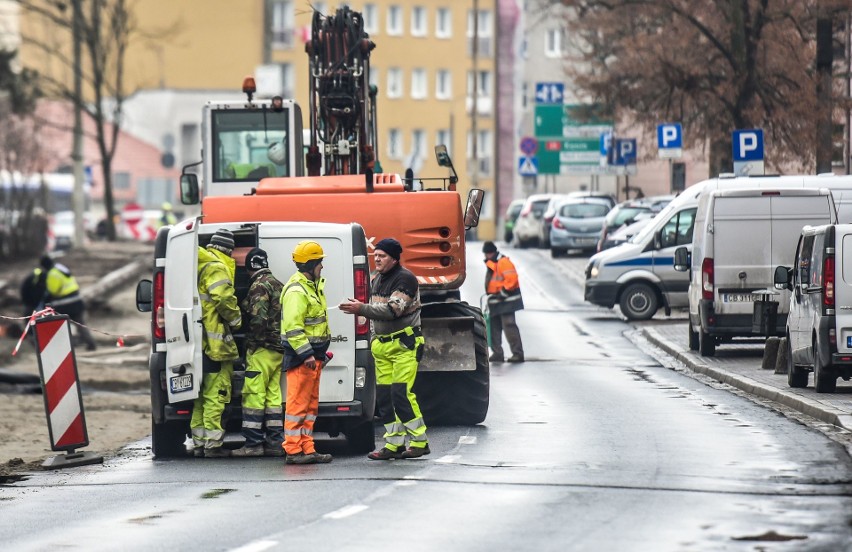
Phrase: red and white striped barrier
[63,401]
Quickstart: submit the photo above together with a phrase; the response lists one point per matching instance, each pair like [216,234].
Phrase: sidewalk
[739,365]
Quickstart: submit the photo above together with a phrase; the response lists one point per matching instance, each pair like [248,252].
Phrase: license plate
[738,298]
[180,383]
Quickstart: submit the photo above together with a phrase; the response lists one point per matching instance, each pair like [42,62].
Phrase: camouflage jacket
[263,307]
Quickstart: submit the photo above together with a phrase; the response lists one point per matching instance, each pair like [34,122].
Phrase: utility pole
[79,199]
[824,61]
[474,177]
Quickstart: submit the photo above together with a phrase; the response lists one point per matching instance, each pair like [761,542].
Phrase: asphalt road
[592,444]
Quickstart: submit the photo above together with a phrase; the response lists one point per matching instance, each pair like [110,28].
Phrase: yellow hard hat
[307,251]
[167,206]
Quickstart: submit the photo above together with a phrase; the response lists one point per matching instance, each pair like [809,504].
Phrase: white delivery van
[740,236]
[639,275]
[347,386]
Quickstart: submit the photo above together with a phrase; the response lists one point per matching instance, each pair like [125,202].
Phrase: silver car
[577,224]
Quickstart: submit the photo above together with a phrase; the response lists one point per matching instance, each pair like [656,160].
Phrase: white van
[347,386]
[639,275]
[740,236]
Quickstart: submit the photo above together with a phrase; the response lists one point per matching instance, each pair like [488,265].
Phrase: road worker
[504,299]
[397,349]
[220,316]
[306,337]
[262,402]
[167,216]
[62,294]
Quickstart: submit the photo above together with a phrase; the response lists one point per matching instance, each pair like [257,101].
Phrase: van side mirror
[681,259]
[144,296]
[473,208]
[783,277]
[188,189]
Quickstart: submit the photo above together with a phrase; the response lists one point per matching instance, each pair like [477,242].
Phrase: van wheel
[693,338]
[361,438]
[824,380]
[638,302]
[456,398]
[168,438]
[706,344]
[555,252]
[796,377]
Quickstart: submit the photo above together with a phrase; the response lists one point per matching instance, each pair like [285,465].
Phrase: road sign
[568,121]
[528,166]
[669,140]
[624,151]
[529,145]
[549,92]
[748,151]
[569,156]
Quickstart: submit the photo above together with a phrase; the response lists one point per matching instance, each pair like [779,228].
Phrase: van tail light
[828,281]
[362,325]
[707,279]
[158,312]
[558,224]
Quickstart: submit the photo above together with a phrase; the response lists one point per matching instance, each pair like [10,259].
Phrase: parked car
[656,203]
[512,213]
[61,224]
[597,195]
[623,213]
[819,335]
[547,219]
[527,226]
[577,225]
[626,232]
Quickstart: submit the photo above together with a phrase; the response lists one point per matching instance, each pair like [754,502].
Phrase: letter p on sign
[748,145]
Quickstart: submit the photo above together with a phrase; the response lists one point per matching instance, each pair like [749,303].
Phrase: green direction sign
[569,156]
[571,120]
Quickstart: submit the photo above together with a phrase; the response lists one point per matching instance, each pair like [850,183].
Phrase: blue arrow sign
[549,92]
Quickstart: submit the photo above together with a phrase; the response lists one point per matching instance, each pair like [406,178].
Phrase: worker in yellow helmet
[167,218]
[306,337]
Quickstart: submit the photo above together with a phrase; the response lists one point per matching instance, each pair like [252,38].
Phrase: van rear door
[843,287]
[182,314]
[279,239]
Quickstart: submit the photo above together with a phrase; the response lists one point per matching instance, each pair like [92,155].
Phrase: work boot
[256,450]
[320,458]
[416,452]
[300,458]
[198,452]
[273,451]
[384,453]
[218,452]
[496,357]
[516,358]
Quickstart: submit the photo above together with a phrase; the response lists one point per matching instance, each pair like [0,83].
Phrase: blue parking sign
[748,145]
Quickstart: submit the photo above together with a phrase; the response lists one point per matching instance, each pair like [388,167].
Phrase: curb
[810,407]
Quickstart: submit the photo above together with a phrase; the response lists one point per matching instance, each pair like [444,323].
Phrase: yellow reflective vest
[304,320]
[220,311]
[60,284]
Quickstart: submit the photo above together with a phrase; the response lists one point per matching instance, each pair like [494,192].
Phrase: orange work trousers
[300,412]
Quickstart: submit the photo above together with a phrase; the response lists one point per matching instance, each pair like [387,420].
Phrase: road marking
[256,546]
[467,440]
[449,459]
[406,483]
[346,511]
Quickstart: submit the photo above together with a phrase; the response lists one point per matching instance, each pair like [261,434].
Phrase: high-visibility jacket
[60,285]
[502,275]
[220,312]
[304,320]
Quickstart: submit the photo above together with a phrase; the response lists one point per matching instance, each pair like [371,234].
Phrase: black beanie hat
[257,259]
[391,247]
[224,239]
[489,247]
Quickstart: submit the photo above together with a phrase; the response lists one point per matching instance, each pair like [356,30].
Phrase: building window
[443,137]
[395,82]
[121,180]
[282,24]
[554,43]
[419,25]
[483,84]
[394,143]
[418,143]
[484,154]
[443,84]
[394,20]
[484,31]
[418,84]
[443,23]
[371,18]
[374,76]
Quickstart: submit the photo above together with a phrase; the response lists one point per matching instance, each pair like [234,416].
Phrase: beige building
[422,65]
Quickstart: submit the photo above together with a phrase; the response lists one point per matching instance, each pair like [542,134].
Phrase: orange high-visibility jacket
[503,275]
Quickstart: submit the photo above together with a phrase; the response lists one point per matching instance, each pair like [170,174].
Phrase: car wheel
[507,236]
[693,338]
[824,380]
[796,377]
[706,344]
[555,252]
[638,302]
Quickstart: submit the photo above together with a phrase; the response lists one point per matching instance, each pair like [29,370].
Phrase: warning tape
[119,342]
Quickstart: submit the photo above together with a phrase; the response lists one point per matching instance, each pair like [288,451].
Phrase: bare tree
[105,30]
[714,66]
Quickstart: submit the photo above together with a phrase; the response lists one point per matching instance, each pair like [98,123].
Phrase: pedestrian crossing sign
[528,166]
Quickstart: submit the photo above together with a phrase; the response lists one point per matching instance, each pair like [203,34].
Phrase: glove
[312,363]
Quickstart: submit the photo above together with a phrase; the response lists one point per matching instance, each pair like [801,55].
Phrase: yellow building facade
[423,66]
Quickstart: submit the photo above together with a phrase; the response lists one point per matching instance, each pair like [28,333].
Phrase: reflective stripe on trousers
[301,409]
[396,370]
[262,399]
[206,422]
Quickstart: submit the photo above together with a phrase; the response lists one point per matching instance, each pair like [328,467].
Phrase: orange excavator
[256,168]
